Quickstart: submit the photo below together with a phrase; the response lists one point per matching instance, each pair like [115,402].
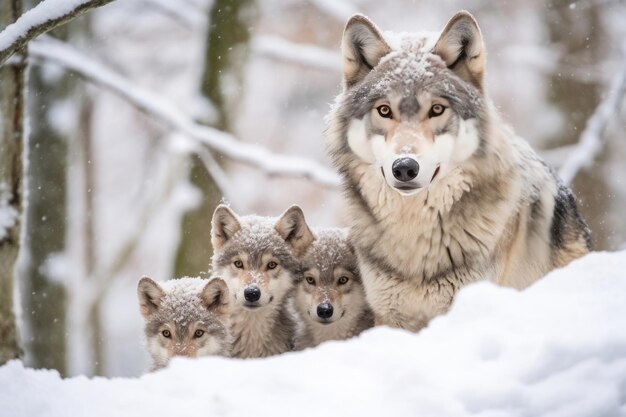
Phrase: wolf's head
[258,257]
[185,317]
[412,105]
[332,286]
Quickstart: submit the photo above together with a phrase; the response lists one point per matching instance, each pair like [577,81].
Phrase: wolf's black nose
[325,310]
[252,293]
[405,169]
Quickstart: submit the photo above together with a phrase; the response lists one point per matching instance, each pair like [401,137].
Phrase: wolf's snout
[405,169]
[325,310]
[252,293]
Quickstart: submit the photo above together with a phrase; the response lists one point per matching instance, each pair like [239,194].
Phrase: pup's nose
[252,293]
[405,169]
[325,310]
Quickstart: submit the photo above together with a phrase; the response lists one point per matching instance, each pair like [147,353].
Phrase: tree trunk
[45,301]
[578,30]
[226,52]
[12,79]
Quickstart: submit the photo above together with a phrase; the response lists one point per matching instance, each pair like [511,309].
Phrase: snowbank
[556,349]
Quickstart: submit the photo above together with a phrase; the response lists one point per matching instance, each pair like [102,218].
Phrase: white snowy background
[556,349]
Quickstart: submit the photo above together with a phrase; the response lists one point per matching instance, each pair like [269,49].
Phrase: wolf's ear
[223,226]
[362,48]
[149,294]
[292,227]
[215,296]
[461,48]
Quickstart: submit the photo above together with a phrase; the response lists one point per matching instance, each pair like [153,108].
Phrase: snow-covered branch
[591,139]
[339,10]
[152,103]
[187,14]
[309,56]
[42,18]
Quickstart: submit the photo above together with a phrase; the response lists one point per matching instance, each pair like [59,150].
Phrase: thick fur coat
[440,192]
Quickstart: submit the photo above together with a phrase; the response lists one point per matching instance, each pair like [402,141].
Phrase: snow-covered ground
[555,349]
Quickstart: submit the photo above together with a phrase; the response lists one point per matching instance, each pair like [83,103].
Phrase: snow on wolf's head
[331,286]
[185,317]
[412,104]
[258,257]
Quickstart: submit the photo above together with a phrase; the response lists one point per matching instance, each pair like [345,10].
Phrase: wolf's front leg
[404,303]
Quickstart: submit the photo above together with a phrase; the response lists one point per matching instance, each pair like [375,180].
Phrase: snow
[555,349]
[151,102]
[302,54]
[591,139]
[8,214]
[45,11]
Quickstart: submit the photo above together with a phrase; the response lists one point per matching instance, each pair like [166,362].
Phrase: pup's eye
[343,280]
[166,333]
[384,111]
[198,333]
[310,280]
[436,110]
[238,264]
[271,265]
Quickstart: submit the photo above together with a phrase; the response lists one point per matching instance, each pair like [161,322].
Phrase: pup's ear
[223,226]
[149,294]
[461,48]
[215,296]
[292,227]
[362,48]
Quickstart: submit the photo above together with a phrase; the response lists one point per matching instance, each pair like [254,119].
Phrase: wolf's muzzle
[405,169]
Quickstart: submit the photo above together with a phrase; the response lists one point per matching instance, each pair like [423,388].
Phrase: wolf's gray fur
[260,256]
[440,191]
[331,280]
[185,317]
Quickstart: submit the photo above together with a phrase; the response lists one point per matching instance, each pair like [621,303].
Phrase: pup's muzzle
[252,293]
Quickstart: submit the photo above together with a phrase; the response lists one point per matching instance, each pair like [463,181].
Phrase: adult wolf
[440,192]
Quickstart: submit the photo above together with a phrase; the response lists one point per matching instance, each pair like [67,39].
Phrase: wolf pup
[185,317]
[258,257]
[440,191]
[330,298]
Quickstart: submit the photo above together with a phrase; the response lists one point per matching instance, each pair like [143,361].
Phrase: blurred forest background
[119,187]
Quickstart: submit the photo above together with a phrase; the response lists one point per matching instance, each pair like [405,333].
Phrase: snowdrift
[555,349]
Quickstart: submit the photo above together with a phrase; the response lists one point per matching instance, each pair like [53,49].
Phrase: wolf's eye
[310,280]
[343,280]
[238,264]
[198,333]
[384,111]
[436,110]
[271,265]
[166,333]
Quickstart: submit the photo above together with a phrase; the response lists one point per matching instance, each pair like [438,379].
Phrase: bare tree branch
[591,140]
[250,154]
[42,18]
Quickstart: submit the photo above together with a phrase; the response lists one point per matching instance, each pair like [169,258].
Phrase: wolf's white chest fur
[421,239]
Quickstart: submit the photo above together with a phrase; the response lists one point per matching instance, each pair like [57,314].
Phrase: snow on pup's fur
[557,348]
[440,191]
[258,257]
[330,296]
[185,317]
